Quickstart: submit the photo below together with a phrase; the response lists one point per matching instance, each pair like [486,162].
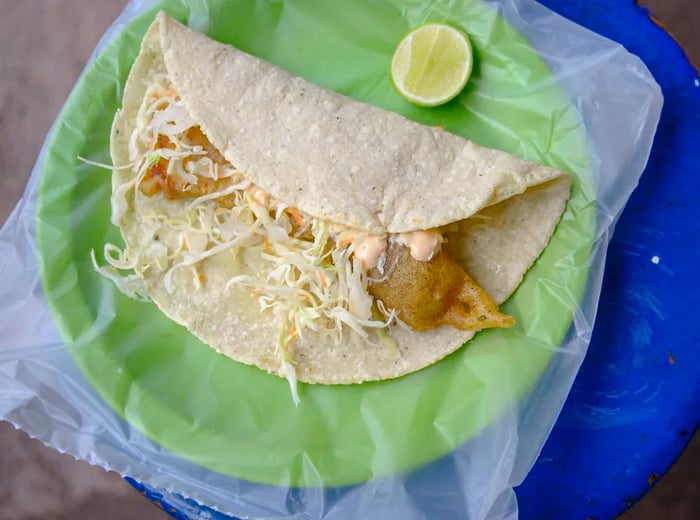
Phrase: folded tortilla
[342,161]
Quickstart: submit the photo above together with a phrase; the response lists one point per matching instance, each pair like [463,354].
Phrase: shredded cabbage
[131,285]
[312,283]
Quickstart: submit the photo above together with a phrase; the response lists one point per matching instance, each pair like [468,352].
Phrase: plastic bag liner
[112,381]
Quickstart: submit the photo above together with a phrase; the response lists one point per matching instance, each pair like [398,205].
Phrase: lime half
[432,64]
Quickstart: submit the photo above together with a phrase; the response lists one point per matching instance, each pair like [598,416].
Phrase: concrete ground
[43,46]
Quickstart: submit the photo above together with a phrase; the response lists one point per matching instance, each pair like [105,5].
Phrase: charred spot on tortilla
[316,256]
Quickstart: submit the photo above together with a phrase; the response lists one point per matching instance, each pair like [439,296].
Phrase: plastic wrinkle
[616,104]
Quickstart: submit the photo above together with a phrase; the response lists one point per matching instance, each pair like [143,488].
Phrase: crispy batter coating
[174,187]
[434,293]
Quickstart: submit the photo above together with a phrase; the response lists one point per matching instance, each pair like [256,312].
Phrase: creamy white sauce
[424,245]
[369,249]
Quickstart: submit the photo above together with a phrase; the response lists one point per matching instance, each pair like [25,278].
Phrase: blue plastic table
[636,401]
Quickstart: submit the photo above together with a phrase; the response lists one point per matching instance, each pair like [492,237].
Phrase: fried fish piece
[438,292]
[175,187]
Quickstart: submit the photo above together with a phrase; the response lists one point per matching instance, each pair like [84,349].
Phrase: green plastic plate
[233,418]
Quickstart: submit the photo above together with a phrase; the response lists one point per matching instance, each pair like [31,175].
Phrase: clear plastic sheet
[616,105]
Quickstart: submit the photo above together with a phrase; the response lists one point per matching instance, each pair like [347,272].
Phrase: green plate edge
[235,419]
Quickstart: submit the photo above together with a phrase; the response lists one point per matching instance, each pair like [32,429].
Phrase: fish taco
[313,236]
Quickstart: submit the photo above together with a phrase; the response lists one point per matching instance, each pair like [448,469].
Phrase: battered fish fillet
[434,293]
